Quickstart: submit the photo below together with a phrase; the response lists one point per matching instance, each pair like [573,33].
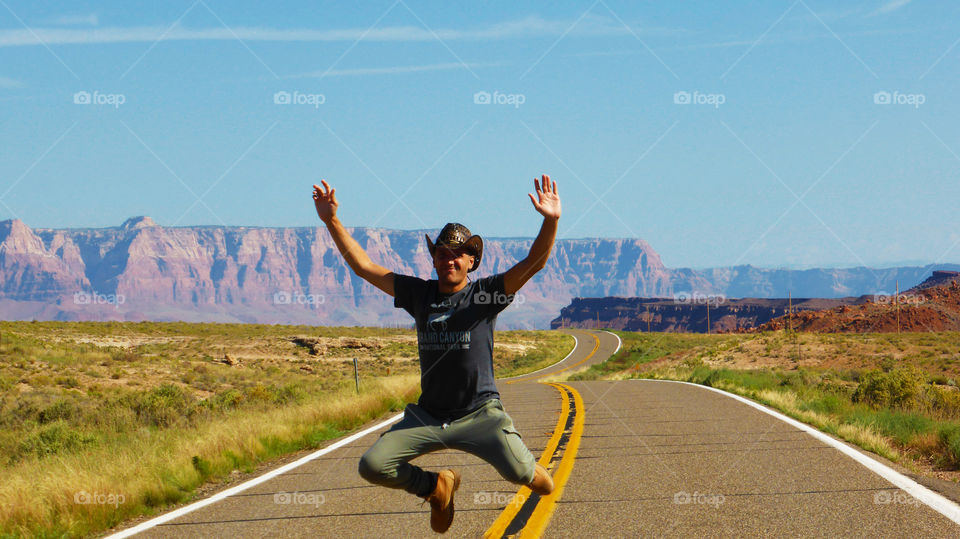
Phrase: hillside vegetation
[100,422]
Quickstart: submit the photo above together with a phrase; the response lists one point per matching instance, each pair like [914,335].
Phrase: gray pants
[487,432]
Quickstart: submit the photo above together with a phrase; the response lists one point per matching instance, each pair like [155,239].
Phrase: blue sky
[775,133]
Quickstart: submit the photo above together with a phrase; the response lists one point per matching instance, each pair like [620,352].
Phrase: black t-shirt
[455,341]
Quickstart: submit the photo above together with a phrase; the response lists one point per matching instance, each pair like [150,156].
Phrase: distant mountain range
[142,271]
[700,313]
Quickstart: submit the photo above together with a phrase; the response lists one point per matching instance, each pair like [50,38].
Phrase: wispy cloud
[784,38]
[7,82]
[829,16]
[392,70]
[529,27]
[74,20]
[890,6]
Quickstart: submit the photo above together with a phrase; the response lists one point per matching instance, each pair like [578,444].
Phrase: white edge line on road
[251,483]
[167,517]
[619,342]
[935,501]
[576,343]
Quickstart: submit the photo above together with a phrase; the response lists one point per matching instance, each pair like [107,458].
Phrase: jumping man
[459,406]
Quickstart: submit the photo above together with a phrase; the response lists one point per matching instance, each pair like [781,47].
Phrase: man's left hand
[547,202]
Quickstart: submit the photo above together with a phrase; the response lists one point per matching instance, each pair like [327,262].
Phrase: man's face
[452,264]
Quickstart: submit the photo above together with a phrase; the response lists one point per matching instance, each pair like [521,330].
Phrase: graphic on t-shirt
[438,321]
[438,338]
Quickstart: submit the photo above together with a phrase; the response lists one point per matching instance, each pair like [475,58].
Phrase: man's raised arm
[547,204]
[356,257]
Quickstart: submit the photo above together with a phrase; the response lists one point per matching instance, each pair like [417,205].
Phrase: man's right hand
[358,260]
[325,201]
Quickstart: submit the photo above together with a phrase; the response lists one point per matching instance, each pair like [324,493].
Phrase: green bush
[202,466]
[949,437]
[165,406]
[126,355]
[68,381]
[225,400]
[61,409]
[259,393]
[901,426]
[54,438]
[289,394]
[945,401]
[898,388]
[827,404]
[755,380]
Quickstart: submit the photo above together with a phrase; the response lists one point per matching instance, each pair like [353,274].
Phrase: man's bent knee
[374,469]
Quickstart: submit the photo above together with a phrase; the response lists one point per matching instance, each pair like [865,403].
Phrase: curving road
[630,459]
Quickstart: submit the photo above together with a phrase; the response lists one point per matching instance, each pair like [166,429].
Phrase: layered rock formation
[140,271]
[694,314]
[276,275]
[933,305]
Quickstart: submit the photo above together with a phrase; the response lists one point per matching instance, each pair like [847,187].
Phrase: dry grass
[149,469]
[138,415]
[937,354]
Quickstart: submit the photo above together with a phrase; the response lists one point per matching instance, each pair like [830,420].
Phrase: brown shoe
[542,483]
[441,500]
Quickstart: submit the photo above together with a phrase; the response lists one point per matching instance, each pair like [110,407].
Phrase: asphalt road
[631,459]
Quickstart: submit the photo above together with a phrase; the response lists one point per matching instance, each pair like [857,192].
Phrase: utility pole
[796,335]
[708,315]
[897,303]
[790,309]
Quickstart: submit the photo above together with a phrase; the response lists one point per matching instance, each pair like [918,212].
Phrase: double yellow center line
[530,516]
